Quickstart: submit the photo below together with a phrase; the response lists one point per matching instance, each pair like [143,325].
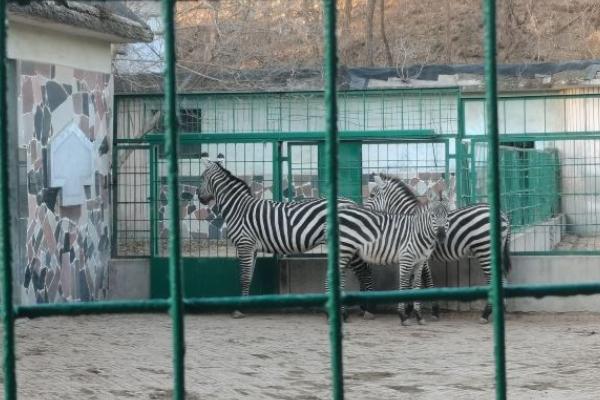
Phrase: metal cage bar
[8,316]
[333,274]
[171,149]
[496,289]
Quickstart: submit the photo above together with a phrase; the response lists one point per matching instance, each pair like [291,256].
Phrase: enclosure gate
[176,305]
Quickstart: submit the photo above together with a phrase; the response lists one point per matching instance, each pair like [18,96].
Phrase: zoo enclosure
[334,299]
[549,158]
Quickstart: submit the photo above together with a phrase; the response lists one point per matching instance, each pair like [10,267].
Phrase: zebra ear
[378,180]
[204,159]
[221,159]
[432,195]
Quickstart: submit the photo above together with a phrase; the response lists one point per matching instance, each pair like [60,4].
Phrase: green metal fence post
[8,315]
[496,289]
[154,199]
[333,273]
[171,145]
[459,151]
[114,180]
[277,173]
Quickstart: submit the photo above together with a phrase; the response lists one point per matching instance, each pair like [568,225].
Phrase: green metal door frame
[115,193]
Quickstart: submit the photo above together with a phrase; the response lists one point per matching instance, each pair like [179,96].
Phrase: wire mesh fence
[375,110]
[549,191]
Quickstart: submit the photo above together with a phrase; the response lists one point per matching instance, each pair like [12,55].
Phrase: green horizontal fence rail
[334,298]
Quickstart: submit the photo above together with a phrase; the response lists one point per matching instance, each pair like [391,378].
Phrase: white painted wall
[34,43]
[269,113]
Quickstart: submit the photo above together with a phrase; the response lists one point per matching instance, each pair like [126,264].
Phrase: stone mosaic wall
[67,245]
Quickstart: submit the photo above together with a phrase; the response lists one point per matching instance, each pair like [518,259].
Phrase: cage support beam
[171,147]
[8,317]
[331,149]
[496,289]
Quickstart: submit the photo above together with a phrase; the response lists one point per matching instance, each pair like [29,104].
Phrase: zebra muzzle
[441,235]
[205,199]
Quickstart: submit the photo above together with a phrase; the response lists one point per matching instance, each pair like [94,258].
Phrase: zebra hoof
[368,316]
[405,323]
[483,320]
[238,314]
[403,318]
[435,312]
[419,317]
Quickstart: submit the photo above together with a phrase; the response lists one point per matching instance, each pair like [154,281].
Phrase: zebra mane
[403,187]
[234,178]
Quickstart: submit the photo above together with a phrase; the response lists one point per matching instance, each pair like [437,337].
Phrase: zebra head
[208,180]
[391,195]
[218,184]
[438,210]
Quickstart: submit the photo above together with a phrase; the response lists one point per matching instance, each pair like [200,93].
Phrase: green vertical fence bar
[171,145]
[333,273]
[496,289]
[8,316]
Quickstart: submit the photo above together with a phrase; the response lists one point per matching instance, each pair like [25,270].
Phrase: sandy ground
[286,356]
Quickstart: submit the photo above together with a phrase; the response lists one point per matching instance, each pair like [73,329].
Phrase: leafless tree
[386,44]
[369,24]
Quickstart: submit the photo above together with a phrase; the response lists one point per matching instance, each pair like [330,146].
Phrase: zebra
[468,232]
[406,240]
[255,225]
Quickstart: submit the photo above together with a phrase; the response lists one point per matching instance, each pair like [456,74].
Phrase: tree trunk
[347,17]
[388,53]
[448,31]
[369,41]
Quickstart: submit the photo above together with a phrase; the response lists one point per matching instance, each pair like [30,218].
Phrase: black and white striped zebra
[468,232]
[392,239]
[255,225]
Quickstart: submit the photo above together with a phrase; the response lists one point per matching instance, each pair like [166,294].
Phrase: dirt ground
[286,356]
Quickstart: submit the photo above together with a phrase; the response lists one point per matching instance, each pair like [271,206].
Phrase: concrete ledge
[308,276]
[540,237]
[129,279]
[555,269]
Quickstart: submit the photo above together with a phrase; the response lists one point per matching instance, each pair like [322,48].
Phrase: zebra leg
[487,311]
[410,306]
[417,284]
[364,274]
[344,261]
[427,282]
[404,272]
[247,256]
[485,260]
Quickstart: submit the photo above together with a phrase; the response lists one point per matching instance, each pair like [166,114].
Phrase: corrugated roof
[113,20]
[542,76]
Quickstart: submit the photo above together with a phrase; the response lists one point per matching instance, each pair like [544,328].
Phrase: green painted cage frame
[176,305]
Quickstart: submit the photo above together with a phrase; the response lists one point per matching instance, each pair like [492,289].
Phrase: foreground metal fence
[333,300]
